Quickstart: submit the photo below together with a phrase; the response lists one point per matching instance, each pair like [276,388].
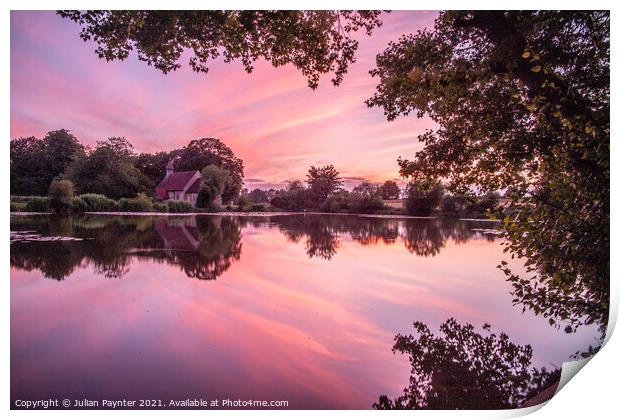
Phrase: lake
[298,308]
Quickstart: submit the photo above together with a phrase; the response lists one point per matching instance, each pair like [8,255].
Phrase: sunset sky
[269,118]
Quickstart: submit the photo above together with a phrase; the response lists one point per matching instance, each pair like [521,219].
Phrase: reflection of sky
[270,119]
[276,325]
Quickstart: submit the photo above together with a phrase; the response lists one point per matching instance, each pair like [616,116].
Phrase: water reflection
[466,370]
[205,247]
[305,309]
[422,237]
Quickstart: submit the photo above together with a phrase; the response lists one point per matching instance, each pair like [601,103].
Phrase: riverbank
[258,214]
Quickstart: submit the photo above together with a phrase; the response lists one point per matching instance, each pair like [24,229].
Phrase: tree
[366,198]
[213,184]
[390,190]
[455,204]
[258,196]
[467,370]
[521,99]
[293,198]
[60,195]
[337,202]
[36,162]
[153,166]
[423,197]
[109,170]
[315,42]
[209,151]
[322,183]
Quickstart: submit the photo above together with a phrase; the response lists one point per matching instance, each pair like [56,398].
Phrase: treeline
[112,168]
[323,191]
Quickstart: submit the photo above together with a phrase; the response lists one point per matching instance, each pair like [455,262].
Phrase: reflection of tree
[203,247]
[463,369]
[423,237]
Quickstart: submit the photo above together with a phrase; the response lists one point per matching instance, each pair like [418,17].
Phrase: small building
[183,185]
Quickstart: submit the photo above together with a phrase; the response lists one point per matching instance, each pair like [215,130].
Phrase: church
[183,185]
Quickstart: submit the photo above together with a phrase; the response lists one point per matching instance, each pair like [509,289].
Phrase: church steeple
[170,167]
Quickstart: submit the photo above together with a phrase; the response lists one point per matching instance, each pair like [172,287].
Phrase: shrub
[258,208]
[37,204]
[78,205]
[160,207]
[366,198]
[141,203]
[18,207]
[177,206]
[98,202]
[20,198]
[60,195]
[422,197]
[244,203]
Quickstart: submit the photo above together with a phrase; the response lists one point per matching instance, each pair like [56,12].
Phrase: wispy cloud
[270,119]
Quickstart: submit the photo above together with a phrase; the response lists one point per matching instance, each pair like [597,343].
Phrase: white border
[593,395]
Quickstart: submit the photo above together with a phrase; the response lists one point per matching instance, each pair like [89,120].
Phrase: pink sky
[269,118]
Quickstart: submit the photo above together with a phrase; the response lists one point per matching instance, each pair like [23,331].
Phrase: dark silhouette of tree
[322,183]
[390,190]
[423,197]
[210,151]
[293,198]
[109,170]
[521,99]
[60,195]
[214,182]
[36,162]
[153,167]
[258,196]
[467,370]
[315,42]
[366,198]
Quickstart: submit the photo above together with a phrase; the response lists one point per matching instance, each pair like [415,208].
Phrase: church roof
[195,187]
[176,181]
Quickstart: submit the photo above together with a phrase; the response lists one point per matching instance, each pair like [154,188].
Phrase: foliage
[15,207]
[108,170]
[521,99]
[293,198]
[160,207]
[366,198]
[337,202]
[97,202]
[244,203]
[142,203]
[390,190]
[214,182]
[259,196]
[36,162]
[315,42]
[464,369]
[210,151]
[179,206]
[37,204]
[78,205]
[322,183]
[60,195]
[455,205]
[423,197]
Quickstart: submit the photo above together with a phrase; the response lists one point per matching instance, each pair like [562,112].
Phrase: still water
[301,308]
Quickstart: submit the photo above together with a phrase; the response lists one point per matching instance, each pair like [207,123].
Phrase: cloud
[269,118]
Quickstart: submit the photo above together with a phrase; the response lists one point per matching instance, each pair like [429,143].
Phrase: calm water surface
[298,308]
